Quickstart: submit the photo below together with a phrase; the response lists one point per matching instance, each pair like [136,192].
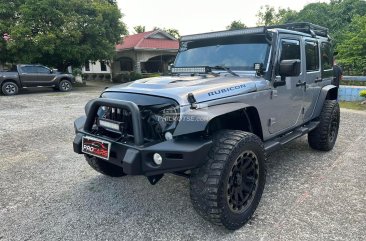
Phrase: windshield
[234,53]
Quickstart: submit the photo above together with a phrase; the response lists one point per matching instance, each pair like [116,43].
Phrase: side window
[42,70]
[28,69]
[290,49]
[327,57]
[312,56]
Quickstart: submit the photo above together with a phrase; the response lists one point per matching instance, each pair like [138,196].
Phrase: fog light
[158,159]
[168,136]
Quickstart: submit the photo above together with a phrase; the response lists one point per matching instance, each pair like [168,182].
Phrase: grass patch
[352,105]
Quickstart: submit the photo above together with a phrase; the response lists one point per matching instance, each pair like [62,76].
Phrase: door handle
[301,83]
[318,80]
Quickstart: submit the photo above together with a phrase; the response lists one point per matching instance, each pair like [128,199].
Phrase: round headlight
[170,115]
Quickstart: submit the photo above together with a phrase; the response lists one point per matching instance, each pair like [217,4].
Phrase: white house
[96,67]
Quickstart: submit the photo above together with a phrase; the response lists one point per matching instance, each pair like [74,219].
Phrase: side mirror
[51,71]
[289,68]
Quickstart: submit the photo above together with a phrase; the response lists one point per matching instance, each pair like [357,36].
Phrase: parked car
[26,76]
[233,97]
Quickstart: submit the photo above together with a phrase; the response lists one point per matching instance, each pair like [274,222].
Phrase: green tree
[336,15]
[173,32]
[237,24]
[352,48]
[9,13]
[139,29]
[268,15]
[60,33]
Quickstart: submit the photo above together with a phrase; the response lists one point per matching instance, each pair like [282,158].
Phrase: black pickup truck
[25,76]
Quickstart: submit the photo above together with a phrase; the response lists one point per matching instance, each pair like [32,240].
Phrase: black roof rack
[309,28]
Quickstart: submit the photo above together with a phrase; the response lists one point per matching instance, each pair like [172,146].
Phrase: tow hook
[154,179]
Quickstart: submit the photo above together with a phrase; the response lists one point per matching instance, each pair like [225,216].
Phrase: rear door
[28,75]
[312,76]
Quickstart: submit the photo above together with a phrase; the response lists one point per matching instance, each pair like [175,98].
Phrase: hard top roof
[301,28]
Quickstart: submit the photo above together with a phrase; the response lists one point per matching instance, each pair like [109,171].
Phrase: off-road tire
[324,136]
[104,167]
[64,86]
[9,88]
[209,184]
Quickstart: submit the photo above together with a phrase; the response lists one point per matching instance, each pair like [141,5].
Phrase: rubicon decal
[96,147]
[229,89]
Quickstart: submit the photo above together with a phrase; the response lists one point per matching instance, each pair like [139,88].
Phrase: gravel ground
[47,192]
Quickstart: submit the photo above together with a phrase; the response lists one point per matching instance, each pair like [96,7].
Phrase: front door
[287,100]
[45,76]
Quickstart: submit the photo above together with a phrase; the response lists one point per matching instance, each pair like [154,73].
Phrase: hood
[203,88]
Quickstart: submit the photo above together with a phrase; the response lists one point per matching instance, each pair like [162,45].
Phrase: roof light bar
[197,70]
[223,34]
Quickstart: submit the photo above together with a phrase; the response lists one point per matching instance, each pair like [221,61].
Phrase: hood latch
[192,101]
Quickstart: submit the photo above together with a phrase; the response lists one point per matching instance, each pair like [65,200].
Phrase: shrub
[107,76]
[76,72]
[94,76]
[135,76]
[121,78]
[84,76]
[363,93]
[148,75]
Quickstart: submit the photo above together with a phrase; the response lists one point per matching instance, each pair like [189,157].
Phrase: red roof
[146,40]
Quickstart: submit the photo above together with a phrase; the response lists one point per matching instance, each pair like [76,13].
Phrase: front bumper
[138,160]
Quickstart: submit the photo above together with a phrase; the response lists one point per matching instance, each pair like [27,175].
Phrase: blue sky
[194,16]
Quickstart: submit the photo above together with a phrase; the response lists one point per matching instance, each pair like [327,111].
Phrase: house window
[126,64]
[87,66]
[103,66]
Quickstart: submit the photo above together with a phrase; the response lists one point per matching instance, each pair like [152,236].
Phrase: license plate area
[96,147]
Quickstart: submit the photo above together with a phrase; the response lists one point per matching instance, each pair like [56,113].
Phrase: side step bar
[277,143]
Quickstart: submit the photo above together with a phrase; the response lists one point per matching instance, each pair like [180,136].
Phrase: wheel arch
[329,92]
[10,80]
[219,117]
[249,121]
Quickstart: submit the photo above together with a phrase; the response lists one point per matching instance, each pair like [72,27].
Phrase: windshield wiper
[221,67]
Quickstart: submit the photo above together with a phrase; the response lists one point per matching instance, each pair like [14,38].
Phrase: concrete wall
[350,93]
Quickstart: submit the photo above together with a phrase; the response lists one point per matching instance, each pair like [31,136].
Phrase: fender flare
[196,120]
[16,81]
[322,97]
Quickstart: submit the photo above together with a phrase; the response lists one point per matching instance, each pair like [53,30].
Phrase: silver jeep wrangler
[232,97]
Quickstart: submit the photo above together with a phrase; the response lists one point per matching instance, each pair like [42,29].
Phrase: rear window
[327,57]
